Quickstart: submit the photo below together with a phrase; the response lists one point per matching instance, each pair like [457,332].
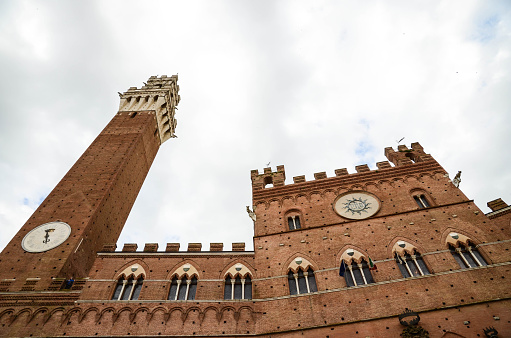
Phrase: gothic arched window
[128,289]
[411,265]
[358,274]
[238,288]
[183,289]
[302,282]
[467,256]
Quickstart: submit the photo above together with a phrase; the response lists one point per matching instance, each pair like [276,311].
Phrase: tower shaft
[96,195]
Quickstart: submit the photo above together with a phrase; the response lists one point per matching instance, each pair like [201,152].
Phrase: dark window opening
[358,274]
[268,181]
[467,256]
[411,265]
[294,222]
[421,201]
[128,289]
[238,288]
[302,282]
[182,289]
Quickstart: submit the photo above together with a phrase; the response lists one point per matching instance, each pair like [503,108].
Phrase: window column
[177,289]
[295,275]
[350,267]
[188,282]
[469,249]
[233,281]
[362,272]
[414,257]
[306,274]
[124,282]
[134,282]
[460,253]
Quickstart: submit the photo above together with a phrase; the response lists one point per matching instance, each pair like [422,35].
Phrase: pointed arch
[82,315]
[465,250]
[237,268]
[465,237]
[291,264]
[183,285]
[409,259]
[288,199]
[354,266]
[135,268]
[186,312]
[301,278]
[186,268]
[358,254]
[357,186]
[9,311]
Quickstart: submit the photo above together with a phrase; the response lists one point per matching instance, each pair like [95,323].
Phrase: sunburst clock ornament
[356,205]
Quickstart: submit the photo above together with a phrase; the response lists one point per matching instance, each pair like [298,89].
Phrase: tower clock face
[46,237]
[356,205]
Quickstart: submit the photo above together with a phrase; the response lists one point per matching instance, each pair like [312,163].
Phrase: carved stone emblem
[356,205]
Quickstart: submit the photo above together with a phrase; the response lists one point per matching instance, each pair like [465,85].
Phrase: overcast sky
[315,86]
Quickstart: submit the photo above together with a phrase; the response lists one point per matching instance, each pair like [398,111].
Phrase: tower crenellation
[403,156]
[171,247]
[268,177]
[160,95]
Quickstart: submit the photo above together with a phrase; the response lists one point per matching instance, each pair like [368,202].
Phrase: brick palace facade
[340,256]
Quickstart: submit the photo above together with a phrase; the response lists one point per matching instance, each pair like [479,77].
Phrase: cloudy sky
[312,85]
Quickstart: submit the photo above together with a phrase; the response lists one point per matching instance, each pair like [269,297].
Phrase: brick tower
[90,205]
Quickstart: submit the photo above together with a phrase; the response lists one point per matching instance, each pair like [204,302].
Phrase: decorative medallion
[356,205]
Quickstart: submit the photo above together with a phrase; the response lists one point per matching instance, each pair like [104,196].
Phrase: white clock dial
[46,237]
[357,205]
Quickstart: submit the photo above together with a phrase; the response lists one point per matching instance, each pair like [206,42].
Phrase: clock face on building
[46,237]
[356,205]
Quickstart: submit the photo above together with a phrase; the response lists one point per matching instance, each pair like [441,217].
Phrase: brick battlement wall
[173,247]
[402,157]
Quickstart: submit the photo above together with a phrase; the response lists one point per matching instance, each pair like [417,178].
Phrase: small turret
[404,156]
[275,179]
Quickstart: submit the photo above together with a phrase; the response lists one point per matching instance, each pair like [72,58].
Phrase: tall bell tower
[89,206]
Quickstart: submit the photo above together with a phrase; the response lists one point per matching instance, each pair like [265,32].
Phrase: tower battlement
[172,248]
[403,156]
[159,94]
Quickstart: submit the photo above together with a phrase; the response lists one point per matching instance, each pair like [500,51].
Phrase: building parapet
[172,248]
[500,212]
[403,157]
